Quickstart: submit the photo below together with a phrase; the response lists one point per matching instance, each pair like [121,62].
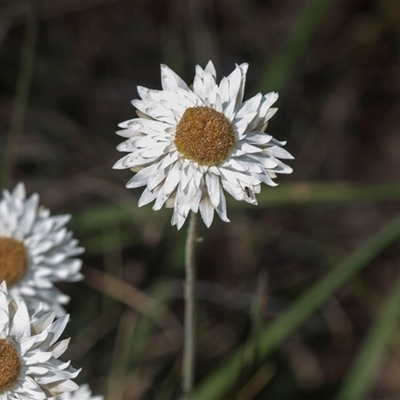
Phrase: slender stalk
[189,340]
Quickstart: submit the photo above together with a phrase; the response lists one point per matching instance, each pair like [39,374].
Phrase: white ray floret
[190,144]
[83,393]
[29,358]
[36,250]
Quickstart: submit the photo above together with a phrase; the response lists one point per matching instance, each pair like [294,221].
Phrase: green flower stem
[189,340]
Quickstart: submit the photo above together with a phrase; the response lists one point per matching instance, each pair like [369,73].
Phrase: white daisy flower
[83,393]
[189,144]
[29,351]
[36,250]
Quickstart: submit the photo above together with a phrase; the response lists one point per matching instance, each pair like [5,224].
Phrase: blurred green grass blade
[120,356]
[360,376]
[106,213]
[20,103]
[107,241]
[290,194]
[281,68]
[306,194]
[221,380]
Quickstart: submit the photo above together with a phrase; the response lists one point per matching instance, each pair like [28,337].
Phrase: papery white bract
[29,364]
[189,144]
[36,250]
[83,393]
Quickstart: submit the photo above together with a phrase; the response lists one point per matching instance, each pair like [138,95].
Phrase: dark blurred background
[68,70]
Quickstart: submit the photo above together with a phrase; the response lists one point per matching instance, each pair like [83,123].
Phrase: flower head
[83,393]
[29,351]
[189,144]
[36,250]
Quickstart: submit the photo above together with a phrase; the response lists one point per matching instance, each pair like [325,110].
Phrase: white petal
[142,177]
[20,323]
[170,80]
[19,192]
[244,67]
[207,211]
[211,69]
[279,152]
[221,209]
[155,110]
[60,348]
[158,177]
[258,138]
[266,179]
[213,188]
[147,197]
[249,106]
[66,386]
[232,92]
[264,112]
[173,178]
[57,328]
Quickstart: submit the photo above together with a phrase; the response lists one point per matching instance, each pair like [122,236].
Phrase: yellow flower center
[13,261]
[9,366]
[204,135]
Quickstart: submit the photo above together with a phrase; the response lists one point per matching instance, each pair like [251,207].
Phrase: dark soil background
[68,70]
